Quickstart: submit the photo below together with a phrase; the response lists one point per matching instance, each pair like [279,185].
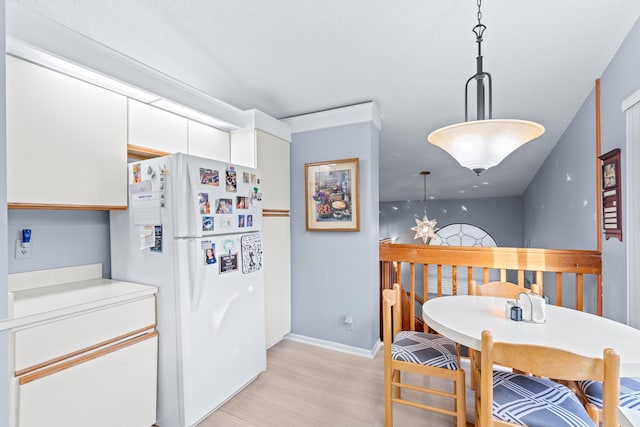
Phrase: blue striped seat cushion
[629,392]
[425,349]
[536,402]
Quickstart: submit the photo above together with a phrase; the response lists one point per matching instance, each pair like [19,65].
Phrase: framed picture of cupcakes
[332,195]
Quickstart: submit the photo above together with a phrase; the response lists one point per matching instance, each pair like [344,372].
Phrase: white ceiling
[412,57]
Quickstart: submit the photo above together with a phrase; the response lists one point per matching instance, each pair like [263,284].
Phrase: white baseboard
[356,351]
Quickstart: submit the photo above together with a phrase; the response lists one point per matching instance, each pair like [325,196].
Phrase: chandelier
[483,143]
[425,228]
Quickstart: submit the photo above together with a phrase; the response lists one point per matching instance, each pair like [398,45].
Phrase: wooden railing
[551,269]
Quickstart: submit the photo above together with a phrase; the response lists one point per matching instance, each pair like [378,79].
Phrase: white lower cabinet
[96,367]
[116,388]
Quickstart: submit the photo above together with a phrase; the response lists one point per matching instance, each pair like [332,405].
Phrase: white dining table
[628,417]
[463,318]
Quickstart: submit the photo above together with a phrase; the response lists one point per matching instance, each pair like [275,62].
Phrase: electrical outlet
[22,252]
[348,321]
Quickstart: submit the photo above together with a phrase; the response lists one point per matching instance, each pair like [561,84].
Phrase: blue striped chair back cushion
[425,349]
[536,402]
[629,392]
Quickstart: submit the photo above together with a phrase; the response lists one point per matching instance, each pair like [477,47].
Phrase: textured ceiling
[289,57]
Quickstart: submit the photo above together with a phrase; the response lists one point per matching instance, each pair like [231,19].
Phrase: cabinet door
[243,147]
[273,162]
[277,277]
[115,389]
[151,127]
[66,139]
[206,141]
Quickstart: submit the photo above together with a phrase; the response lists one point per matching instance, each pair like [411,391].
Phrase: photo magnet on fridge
[203,200]
[224,206]
[231,180]
[207,223]
[242,203]
[209,177]
[209,252]
[157,234]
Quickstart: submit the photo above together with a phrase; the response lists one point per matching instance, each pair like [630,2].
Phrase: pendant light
[483,143]
[425,228]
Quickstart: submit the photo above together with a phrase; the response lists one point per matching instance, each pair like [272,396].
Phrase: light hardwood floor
[308,386]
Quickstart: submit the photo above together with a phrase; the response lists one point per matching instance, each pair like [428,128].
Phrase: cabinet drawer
[48,341]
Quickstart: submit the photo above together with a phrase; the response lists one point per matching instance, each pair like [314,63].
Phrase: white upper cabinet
[209,142]
[243,147]
[66,140]
[273,162]
[151,127]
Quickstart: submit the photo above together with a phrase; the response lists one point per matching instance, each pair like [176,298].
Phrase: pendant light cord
[424,203]
[479,29]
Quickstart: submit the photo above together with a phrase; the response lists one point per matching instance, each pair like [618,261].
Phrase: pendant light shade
[481,144]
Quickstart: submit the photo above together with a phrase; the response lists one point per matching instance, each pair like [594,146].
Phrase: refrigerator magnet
[224,206]
[157,234]
[240,221]
[228,263]
[207,223]
[231,180]
[203,201]
[209,177]
[209,253]
[241,202]
[251,252]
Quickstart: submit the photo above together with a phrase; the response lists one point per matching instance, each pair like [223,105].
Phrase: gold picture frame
[332,195]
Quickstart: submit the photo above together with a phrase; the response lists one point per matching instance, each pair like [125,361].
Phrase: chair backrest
[391,314]
[497,289]
[550,363]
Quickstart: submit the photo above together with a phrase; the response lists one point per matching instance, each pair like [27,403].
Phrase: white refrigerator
[192,229]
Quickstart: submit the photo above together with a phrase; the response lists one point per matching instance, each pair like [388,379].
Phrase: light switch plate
[22,253]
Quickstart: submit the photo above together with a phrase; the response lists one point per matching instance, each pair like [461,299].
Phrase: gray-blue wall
[501,217]
[60,239]
[335,273]
[559,204]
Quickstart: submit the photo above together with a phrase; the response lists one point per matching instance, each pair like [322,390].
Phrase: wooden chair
[418,353]
[497,289]
[591,394]
[508,399]
[491,289]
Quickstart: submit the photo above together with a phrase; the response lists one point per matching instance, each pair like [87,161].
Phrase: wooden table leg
[474,361]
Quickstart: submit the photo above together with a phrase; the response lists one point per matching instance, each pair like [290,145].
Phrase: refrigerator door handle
[197,279]
[187,219]
[194,230]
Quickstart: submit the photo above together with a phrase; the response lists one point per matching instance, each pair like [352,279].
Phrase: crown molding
[352,114]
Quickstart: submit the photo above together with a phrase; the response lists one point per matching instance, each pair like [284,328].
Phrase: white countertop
[53,300]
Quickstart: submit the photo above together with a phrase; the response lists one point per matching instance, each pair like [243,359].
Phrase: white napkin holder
[533,307]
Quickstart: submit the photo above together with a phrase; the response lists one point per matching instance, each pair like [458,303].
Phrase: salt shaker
[507,309]
[516,312]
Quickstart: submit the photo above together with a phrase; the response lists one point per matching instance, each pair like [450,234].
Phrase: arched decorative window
[463,235]
[460,235]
